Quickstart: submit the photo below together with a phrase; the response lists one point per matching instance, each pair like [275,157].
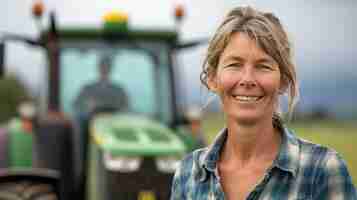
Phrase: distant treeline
[12,93]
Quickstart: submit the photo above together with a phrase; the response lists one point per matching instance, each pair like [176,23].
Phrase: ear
[212,83]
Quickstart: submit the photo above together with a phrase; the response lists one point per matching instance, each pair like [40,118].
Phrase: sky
[322,32]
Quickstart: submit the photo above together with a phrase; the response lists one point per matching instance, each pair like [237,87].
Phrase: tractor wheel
[27,190]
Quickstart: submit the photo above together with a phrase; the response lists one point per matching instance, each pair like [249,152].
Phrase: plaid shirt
[302,170]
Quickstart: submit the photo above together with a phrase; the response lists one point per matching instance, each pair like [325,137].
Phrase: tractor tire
[26,190]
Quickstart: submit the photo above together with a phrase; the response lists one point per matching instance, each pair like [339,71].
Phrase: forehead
[242,46]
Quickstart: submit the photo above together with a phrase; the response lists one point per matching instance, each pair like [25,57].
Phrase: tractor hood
[130,135]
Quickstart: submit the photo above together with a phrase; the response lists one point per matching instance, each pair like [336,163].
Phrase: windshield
[139,69]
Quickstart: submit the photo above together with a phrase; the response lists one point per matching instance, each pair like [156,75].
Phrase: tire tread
[27,190]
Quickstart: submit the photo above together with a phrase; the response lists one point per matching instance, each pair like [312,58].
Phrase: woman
[249,65]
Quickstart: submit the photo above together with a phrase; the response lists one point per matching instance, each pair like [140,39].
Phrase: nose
[248,79]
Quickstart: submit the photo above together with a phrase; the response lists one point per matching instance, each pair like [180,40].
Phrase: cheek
[227,80]
[272,85]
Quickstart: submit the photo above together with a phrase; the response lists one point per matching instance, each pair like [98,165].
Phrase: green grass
[341,136]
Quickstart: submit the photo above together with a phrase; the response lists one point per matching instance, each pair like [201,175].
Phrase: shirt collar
[289,153]
[211,155]
[287,160]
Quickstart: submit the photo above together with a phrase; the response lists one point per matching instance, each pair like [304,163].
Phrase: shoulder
[190,165]
[316,159]
[313,149]
[86,91]
[89,86]
[321,156]
[116,89]
[328,156]
[186,174]
[115,86]
[304,153]
[326,170]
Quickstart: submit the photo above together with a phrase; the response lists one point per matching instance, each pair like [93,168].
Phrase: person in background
[100,96]
[249,66]
[194,116]
[103,93]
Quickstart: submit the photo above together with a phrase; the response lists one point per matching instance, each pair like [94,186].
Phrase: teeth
[246,98]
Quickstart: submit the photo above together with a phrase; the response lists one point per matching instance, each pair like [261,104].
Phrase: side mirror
[2,59]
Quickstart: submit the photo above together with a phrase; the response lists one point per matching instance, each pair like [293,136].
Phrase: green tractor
[94,149]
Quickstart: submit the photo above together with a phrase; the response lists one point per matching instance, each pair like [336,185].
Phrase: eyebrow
[266,60]
[260,60]
[233,58]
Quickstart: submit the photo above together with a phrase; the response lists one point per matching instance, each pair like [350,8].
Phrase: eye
[265,67]
[234,65]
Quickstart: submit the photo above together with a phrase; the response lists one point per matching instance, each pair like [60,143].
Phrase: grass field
[341,136]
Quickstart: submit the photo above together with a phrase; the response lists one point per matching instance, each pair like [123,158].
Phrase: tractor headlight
[167,164]
[121,163]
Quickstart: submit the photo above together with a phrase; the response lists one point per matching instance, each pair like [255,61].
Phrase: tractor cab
[140,79]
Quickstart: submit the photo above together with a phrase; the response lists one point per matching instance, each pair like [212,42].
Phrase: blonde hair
[267,31]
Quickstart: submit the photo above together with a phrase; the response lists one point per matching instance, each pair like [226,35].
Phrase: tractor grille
[148,181]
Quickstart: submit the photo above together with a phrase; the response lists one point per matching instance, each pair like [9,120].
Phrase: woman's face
[247,81]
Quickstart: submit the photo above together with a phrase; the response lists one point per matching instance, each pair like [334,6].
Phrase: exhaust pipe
[2,59]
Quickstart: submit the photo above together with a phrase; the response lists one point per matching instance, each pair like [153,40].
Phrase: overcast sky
[322,31]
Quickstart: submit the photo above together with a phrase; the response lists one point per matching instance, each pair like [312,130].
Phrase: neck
[247,143]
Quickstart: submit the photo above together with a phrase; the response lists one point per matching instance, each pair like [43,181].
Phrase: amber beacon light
[37,9]
[179,12]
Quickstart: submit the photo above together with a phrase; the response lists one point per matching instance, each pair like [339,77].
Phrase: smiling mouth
[247,98]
